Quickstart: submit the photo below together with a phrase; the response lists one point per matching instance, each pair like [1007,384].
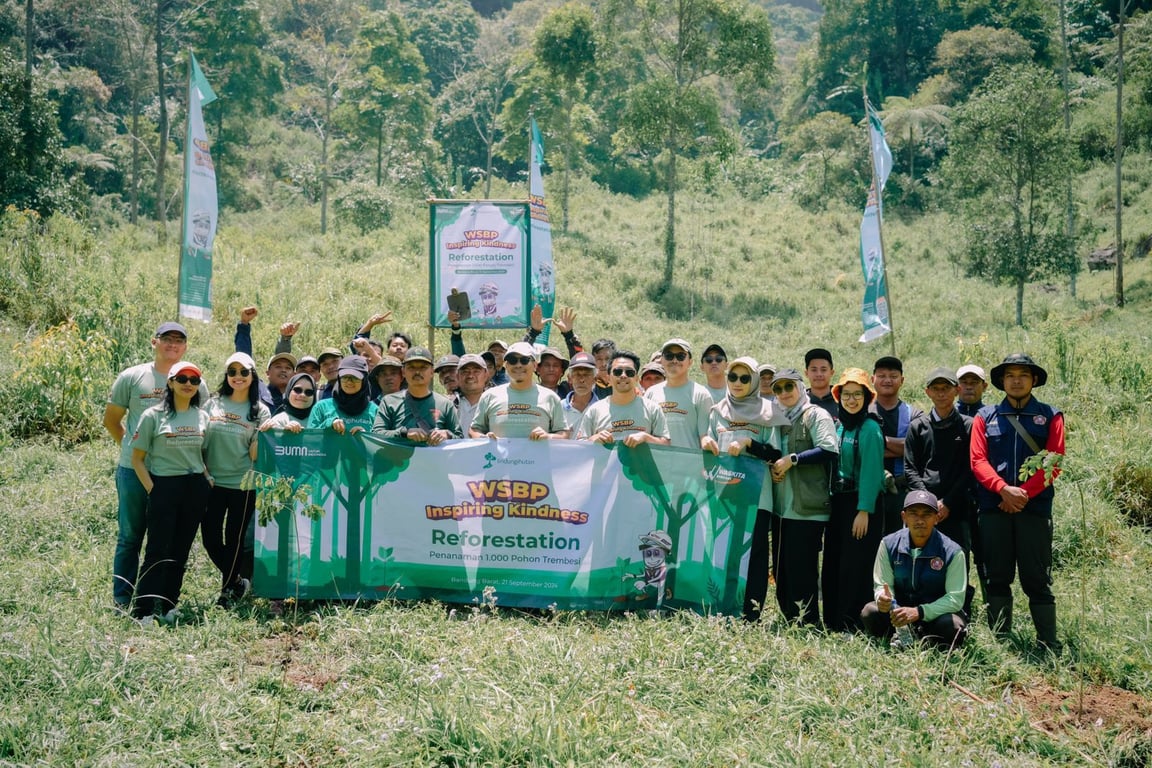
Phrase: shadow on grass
[680,303]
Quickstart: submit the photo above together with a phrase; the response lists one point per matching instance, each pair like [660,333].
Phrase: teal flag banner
[480,248]
[562,524]
[200,204]
[874,310]
[543,270]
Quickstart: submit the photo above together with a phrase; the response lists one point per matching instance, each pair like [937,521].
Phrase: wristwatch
[794,459]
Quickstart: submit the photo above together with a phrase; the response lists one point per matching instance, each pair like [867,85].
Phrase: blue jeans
[133,524]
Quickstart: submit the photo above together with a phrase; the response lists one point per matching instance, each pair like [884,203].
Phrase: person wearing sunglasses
[800,498]
[520,408]
[235,415]
[854,529]
[623,415]
[350,409]
[418,414]
[744,422]
[685,403]
[135,390]
[168,459]
[714,363]
[298,404]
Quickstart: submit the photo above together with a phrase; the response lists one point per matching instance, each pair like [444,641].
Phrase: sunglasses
[679,356]
[517,360]
[743,378]
[624,373]
[785,387]
[182,379]
[711,359]
[302,391]
[244,372]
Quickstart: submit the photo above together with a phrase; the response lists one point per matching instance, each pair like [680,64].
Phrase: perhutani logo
[300,451]
[724,476]
[493,459]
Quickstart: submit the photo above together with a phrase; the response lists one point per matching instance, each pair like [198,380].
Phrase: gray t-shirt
[640,415]
[516,412]
[686,409]
[230,436]
[173,440]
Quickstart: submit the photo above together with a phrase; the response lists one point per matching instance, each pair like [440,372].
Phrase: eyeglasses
[302,391]
[851,395]
[172,338]
[712,359]
[678,356]
[243,372]
[782,388]
[624,373]
[517,360]
[182,379]
[743,378]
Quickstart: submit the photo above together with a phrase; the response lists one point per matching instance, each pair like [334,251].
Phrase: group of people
[897,500]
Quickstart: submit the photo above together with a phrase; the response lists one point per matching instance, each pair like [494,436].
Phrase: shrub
[1129,486]
[364,206]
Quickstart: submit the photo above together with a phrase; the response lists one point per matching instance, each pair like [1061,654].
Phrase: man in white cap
[972,383]
[520,408]
[685,403]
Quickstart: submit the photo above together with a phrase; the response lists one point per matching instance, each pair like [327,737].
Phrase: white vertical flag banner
[874,311]
[543,270]
[200,204]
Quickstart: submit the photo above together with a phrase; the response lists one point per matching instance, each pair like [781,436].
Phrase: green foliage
[280,494]
[58,387]
[364,206]
[1128,485]
[967,56]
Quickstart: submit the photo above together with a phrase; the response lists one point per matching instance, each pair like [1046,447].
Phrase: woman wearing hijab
[300,397]
[744,422]
[235,415]
[167,455]
[853,534]
[800,498]
[349,410]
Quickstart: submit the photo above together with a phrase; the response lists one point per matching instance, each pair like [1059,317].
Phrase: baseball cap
[653,368]
[354,365]
[789,374]
[522,348]
[714,348]
[418,354]
[283,356]
[582,360]
[386,361]
[446,361]
[677,343]
[921,499]
[975,370]
[553,352]
[171,327]
[766,368]
[243,359]
[941,373]
[329,352]
[183,367]
[471,359]
[499,343]
[888,363]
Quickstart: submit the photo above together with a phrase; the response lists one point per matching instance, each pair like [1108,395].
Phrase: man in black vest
[920,578]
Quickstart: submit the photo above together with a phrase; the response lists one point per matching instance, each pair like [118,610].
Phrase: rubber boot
[1044,618]
[1000,615]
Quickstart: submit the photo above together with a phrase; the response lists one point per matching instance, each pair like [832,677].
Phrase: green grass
[410,684]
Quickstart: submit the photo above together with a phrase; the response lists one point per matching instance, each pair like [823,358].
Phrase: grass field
[418,684]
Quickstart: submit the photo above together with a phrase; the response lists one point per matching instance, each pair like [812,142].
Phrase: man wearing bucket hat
[1015,515]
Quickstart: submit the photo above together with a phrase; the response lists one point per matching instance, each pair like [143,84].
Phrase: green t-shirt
[401,410]
[640,415]
[686,409]
[516,412]
[230,435]
[325,412]
[173,440]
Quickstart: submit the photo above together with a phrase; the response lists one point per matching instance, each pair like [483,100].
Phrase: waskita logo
[492,459]
[722,476]
[299,451]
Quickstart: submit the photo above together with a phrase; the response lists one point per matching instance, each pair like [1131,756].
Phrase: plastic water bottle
[903,639]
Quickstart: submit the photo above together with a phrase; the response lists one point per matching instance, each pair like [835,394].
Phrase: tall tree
[30,143]
[1008,159]
[692,48]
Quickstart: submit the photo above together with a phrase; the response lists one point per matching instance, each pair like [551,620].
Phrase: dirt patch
[1103,708]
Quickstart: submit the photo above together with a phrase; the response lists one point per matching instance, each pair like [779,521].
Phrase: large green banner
[562,524]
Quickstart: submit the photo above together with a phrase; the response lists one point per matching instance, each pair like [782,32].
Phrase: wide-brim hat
[1018,358]
[853,376]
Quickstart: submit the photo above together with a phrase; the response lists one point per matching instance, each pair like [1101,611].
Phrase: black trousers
[796,567]
[759,566]
[846,579]
[175,508]
[1020,542]
[224,532]
[945,631]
